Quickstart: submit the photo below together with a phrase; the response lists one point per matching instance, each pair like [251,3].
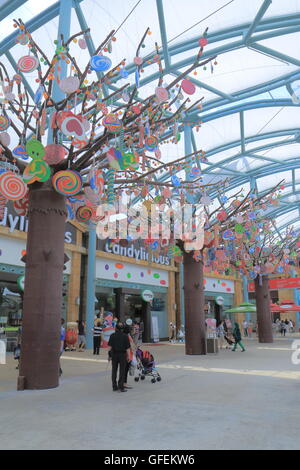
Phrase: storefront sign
[16,222]
[21,281]
[147,295]
[138,253]
[275,284]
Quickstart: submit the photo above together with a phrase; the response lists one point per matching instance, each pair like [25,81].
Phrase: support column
[74,288]
[91,286]
[264,316]
[39,365]
[195,331]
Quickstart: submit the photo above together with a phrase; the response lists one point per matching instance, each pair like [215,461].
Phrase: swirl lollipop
[67,182]
[100,63]
[161,94]
[20,152]
[4,123]
[84,214]
[21,206]
[28,63]
[12,186]
[151,143]
[112,123]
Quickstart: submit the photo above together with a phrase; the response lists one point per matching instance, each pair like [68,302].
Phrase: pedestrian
[220,334]
[245,327]
[135,332]
[81,336]
[283,328]
[62,342]
[127,331]
[237,337]
[119,353]
[97,330]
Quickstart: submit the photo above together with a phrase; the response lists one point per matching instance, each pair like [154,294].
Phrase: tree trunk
[264,316]
[195,331]
[40,347]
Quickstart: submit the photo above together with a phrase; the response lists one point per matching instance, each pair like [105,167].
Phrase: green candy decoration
[35,149]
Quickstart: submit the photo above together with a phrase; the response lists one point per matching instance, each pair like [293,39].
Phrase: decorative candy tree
[223,225]
[259,252]
[97,144]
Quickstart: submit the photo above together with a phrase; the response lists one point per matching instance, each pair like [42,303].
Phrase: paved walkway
[231,400]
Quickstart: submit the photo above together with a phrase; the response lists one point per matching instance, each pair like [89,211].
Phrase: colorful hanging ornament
[100,63]
[96,180]
[71,125]
[82,43]
[54,154]
[110,179]
[161,94]
[21,206]
[37,170]
[20,152]
[69,84]
[28,64]
[188,87]
[151,143]
[84,214]
[4,123]
[67,182]
[5,139]
[35,149]
[12,186]
[112,123]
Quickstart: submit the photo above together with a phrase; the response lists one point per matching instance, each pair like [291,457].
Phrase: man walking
[119,350]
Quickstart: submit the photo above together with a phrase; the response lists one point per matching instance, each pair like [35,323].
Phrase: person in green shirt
[237,337]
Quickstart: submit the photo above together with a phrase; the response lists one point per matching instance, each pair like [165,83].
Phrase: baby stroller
[146,366]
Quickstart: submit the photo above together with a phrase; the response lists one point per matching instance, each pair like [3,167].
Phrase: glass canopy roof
[250,119]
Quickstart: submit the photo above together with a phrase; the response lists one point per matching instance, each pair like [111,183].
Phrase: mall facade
[125,274]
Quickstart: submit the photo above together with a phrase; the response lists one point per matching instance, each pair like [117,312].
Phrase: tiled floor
[231,400]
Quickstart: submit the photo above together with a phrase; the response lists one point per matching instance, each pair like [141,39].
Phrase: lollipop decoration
[151,143]
[161,94]
[110,179]
[96,181]
[100,63]
[84,214]
[28,64]
[112,123]
[20,152]
[12,186]
[4,123]
[67,182]
[21,206]
[37,170]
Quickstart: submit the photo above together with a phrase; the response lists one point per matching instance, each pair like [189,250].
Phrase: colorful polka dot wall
[126,272]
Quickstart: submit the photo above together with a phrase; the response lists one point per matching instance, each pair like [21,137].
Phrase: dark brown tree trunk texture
[40,347]
[195,331]
[264,315]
